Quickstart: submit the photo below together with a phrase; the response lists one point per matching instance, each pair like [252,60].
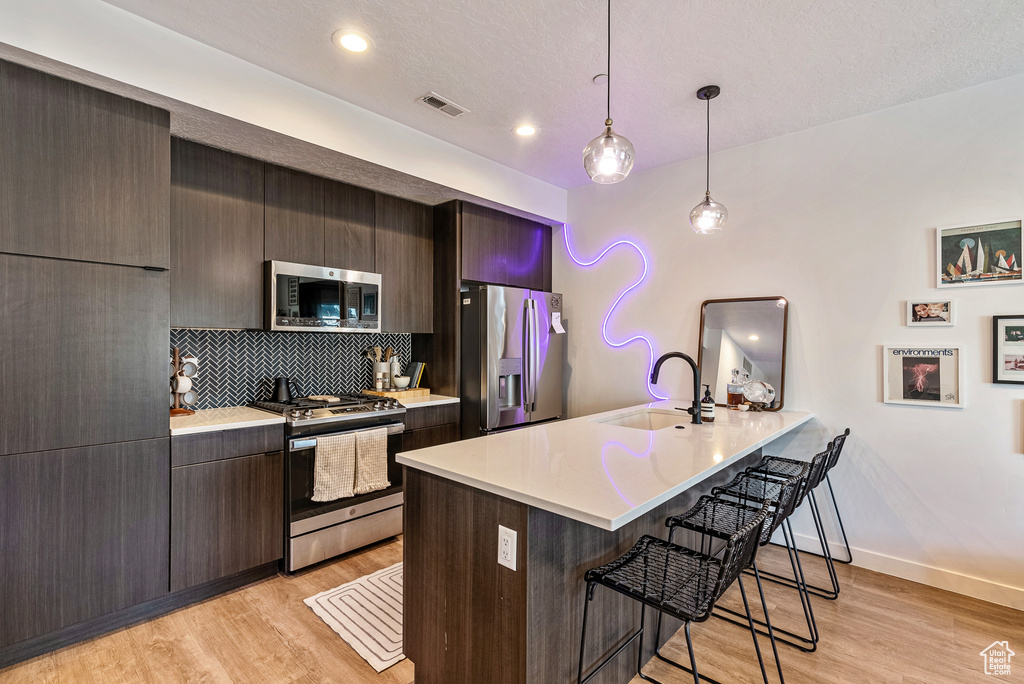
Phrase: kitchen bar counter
[599,473]
[210,420]
[577,494]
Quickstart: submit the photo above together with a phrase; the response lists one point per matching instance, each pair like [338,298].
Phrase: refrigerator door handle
[534,346]
[526,377]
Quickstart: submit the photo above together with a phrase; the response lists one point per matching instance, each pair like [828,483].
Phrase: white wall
[839,220]
[106,40]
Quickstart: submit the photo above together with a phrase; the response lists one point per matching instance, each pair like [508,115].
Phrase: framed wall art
[930,313]
[923,376]
[983,254]
[1008,349]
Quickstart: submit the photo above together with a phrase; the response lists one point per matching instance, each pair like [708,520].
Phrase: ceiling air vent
[443,105]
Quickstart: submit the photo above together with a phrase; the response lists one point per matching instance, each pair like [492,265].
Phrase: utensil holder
[177,410]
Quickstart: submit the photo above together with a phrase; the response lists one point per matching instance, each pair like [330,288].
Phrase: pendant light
[709,215]
[609,157]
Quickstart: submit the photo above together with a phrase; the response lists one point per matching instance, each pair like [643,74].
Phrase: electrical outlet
[507,547]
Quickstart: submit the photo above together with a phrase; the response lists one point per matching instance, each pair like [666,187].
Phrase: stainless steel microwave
[316,299]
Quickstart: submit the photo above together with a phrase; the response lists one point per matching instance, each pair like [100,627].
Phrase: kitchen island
[578,493]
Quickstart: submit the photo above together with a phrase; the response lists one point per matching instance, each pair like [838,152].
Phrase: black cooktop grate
[352,401]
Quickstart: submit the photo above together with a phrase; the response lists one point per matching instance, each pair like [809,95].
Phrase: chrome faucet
[694,410]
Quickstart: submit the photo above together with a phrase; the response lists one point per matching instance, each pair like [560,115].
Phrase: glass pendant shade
[708,216]
[609,157]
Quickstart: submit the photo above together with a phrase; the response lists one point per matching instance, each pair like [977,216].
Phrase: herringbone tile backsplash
[237,367]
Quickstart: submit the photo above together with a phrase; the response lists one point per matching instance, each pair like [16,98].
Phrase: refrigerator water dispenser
[510,377]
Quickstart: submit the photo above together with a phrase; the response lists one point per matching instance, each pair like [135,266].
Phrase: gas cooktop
[331,408]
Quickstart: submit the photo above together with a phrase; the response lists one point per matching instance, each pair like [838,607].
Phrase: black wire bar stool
[711,517]
[784,467]
[751,487]
[682,582]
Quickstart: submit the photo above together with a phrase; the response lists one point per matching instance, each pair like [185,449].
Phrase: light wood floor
[881,630]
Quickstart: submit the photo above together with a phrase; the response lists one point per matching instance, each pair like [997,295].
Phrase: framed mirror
[749,334]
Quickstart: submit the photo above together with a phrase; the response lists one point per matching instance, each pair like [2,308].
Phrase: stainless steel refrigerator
[512,351]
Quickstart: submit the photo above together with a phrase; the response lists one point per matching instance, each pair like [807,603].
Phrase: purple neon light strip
[611,310]
[604,462]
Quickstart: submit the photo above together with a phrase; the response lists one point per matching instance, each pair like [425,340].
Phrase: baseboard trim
[72,634]
[975,587]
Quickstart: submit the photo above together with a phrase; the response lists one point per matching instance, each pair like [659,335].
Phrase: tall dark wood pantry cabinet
[84,326]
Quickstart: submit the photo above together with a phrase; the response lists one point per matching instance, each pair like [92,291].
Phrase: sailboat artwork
[980,254]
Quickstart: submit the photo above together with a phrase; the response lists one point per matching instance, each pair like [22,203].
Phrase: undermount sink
[646,419]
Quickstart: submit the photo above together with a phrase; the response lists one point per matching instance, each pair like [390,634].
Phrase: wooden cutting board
[400,394]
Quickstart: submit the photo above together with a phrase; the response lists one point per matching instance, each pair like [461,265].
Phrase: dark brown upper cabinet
[294,216]
[216,238]
[505,250]
[485,244]
[84,174]
[84,354]
[349,233]
[529,254]
[405,259]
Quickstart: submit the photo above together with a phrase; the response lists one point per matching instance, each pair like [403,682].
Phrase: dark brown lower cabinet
[226,516]
[432,436]
[221,444]
[83,532]
[429,426]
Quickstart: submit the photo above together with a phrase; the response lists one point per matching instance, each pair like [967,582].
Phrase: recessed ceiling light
[352,40]
[526,129]
[754,338]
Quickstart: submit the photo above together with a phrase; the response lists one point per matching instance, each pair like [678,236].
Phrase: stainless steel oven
[307,298]
[316,531]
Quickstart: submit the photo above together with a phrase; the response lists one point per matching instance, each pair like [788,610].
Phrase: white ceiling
[783,66]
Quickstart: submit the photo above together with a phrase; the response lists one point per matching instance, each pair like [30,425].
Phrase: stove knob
[309,413]
[376,406]
[295,414]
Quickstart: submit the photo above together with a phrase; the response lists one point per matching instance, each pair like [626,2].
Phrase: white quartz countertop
[432,400]
[599,473]
[208,420]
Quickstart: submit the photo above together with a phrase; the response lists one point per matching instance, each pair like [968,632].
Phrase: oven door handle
[309,442]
